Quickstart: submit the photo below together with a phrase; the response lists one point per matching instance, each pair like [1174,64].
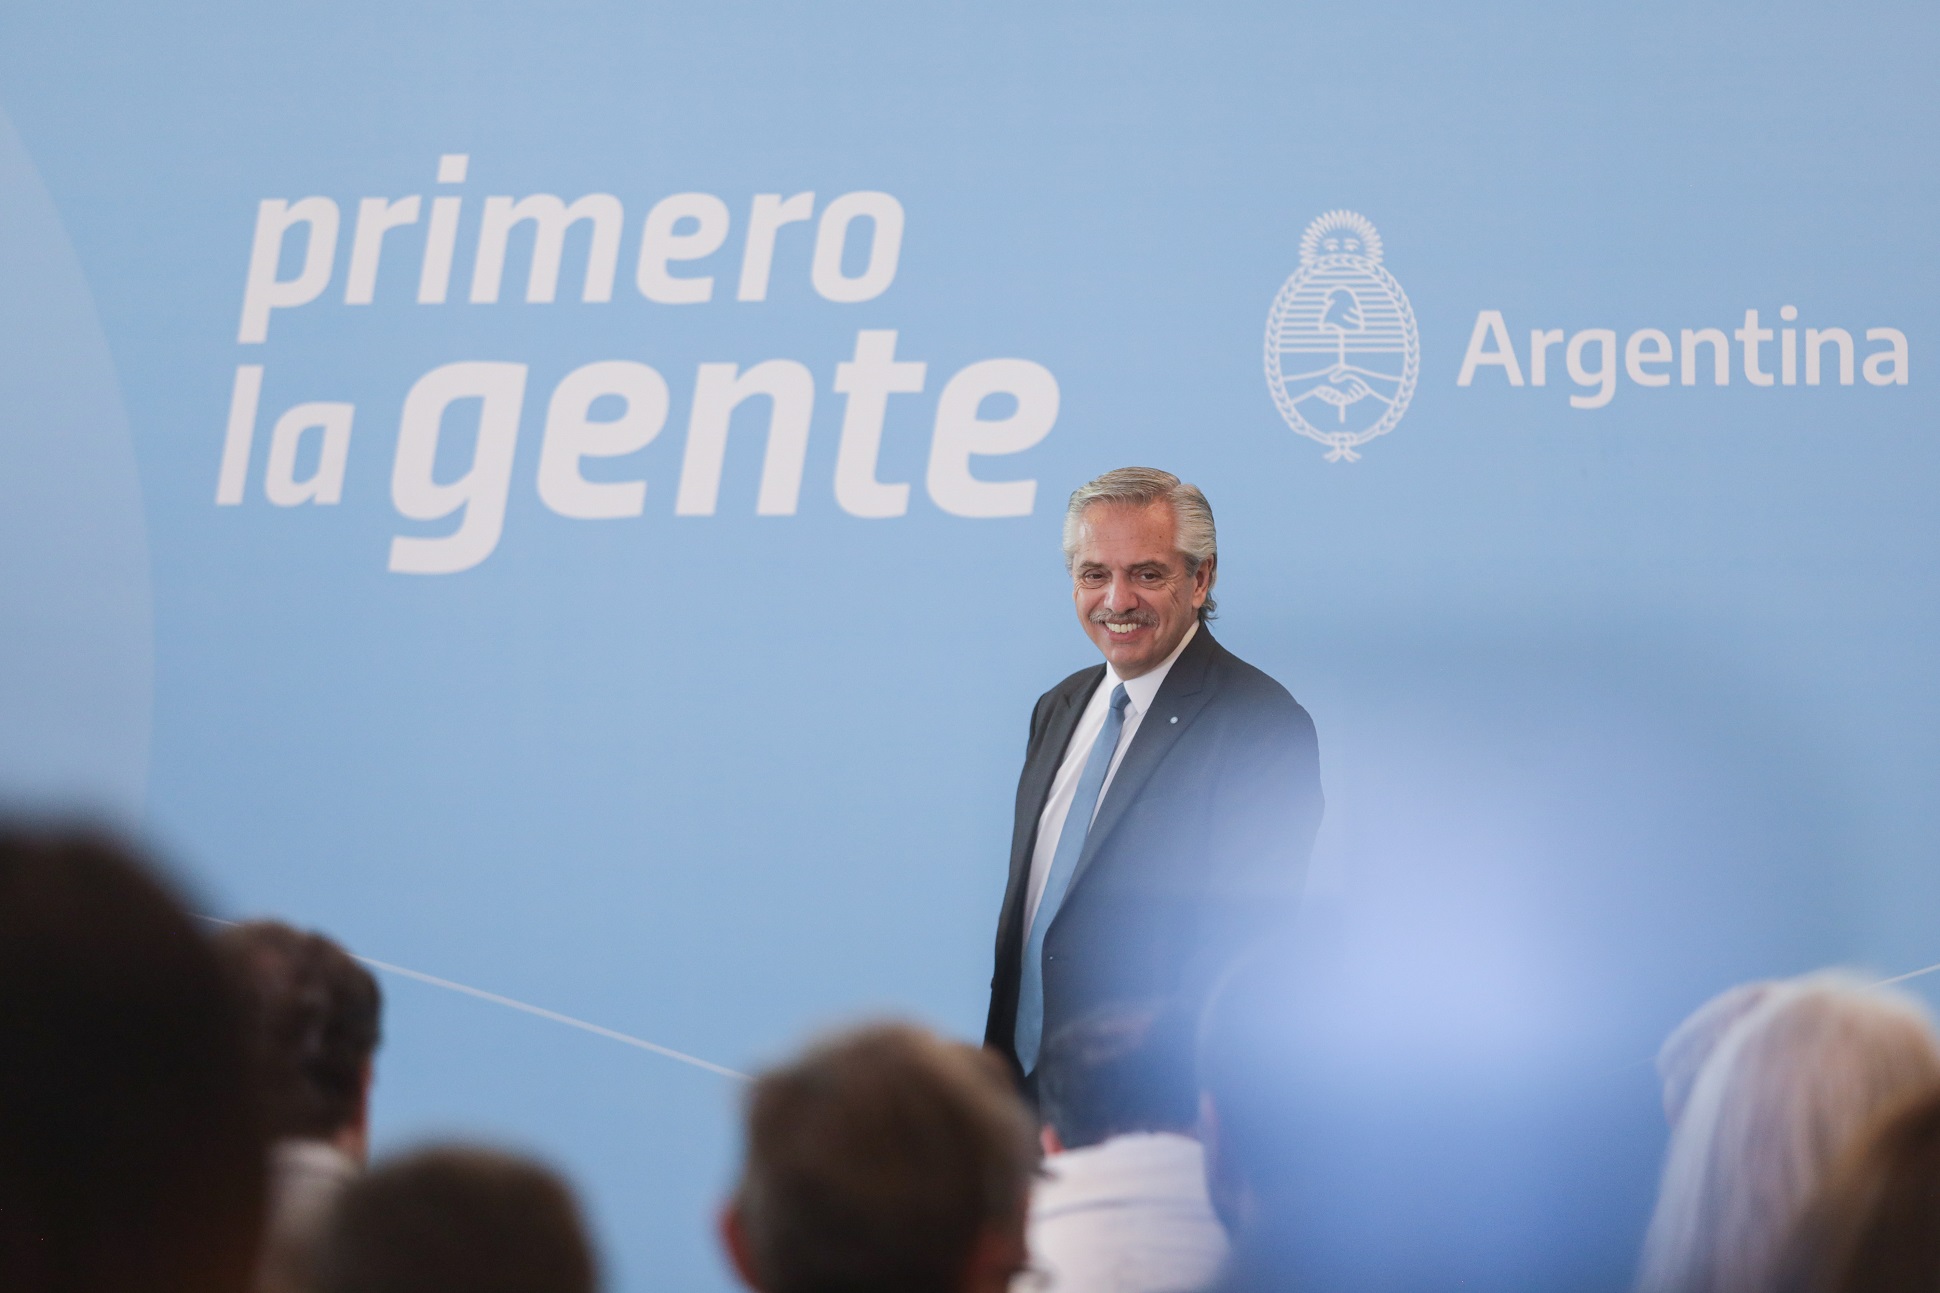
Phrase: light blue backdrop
[1617,704]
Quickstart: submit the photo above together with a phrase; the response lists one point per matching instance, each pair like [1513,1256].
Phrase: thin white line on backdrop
[1910,974]
[1877,983]
[669,1052]
[512,1004]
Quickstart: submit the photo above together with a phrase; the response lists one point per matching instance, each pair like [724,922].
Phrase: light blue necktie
[1071,843]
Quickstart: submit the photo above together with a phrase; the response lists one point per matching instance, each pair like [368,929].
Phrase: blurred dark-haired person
[1122,1206]
[1787,1090]
[312,1016]
[454,1220]
[884,1160]
[131,1157]
[1257,1104]
[1320,1112]
[1876,1225]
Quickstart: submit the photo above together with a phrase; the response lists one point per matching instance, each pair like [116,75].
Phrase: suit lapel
[1035,786]
[1182,695]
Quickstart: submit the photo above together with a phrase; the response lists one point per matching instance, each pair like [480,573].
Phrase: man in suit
[1169,796]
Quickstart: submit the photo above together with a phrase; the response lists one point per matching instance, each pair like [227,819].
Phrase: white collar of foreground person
[1157,1165]
[306,1175]
[1127,1215]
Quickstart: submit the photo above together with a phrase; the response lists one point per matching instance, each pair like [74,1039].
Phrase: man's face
[1129,582]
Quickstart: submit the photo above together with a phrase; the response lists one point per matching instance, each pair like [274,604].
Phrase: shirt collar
[1144,689]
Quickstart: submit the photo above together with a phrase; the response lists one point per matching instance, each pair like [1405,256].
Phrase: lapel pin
[1175,718]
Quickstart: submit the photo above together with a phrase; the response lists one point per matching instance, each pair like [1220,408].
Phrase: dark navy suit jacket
[1199,848]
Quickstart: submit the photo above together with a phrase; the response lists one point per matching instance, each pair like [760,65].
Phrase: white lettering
[885,215]
[375,218]
[326,483]
[1689,340]
[572,434]
[1540,340]
[1648,355]
[481,492]
[770,213]
[869,380]
[1815,339]
[1635,357]
[1753,336]
[243,398]
[961,432]
[1489,327]
[659,244]
[1894,355]
[717,393]
[550,218]
[1605,374]
[264,291]
[440,247]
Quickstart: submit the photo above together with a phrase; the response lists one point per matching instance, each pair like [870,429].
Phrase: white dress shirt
[1129,1215]
[1139,694]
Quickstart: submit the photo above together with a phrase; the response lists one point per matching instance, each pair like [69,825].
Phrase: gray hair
[1684,1053]
[1786,1090]
[1141,487]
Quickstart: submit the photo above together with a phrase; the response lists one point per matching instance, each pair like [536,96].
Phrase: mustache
[1143,619]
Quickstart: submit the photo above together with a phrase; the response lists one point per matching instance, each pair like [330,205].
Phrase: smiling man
[1170,795]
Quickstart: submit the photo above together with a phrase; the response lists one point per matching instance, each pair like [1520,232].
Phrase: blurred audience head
[312,1017]
[1876,1225]
[1691,1042]
[131,1156]
[1788,1087]
[455,1220]
[1122,1201]
[1121,1069]
[1259,1095]
[884,1160]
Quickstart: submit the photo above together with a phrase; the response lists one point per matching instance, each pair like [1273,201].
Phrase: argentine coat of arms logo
[1342,350]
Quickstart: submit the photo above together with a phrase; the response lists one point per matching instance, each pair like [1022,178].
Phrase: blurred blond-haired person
[1787,1087]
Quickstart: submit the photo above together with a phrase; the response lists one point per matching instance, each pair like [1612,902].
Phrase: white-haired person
[1170,791]
[1681,1058]
[1796,1075]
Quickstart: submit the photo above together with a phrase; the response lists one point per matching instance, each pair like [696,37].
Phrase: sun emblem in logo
[1342,352]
